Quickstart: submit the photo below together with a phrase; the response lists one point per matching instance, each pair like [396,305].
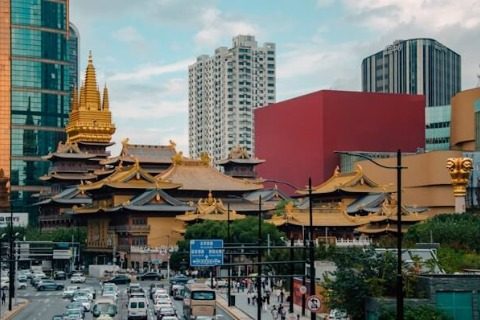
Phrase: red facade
[298,137]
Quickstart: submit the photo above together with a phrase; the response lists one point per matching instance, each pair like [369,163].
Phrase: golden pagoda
[90,118]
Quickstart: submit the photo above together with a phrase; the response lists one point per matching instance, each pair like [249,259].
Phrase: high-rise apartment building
[36,75]
[414,66]
[224,89]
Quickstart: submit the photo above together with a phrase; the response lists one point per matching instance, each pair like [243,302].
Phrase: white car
[85,302]
[78,278]
[159,305]
[69,291]
[4,284]
[336,314]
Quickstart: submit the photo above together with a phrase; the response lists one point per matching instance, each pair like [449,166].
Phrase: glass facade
[42,75]
[414,66]
[437,134]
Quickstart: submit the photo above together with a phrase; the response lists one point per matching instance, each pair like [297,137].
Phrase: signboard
[20,219]
[206,253]
[62,254]
[313,303]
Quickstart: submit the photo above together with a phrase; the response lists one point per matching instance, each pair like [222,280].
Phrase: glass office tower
[35,81]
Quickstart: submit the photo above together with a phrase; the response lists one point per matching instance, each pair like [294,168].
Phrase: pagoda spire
[92,95]
[74,102]
[106,103]
[90,118]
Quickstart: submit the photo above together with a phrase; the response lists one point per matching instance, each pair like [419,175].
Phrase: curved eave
[70,156]
[240,161]
[157,208]
[128,186]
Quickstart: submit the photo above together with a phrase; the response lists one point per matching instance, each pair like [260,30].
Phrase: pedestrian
[277,294]
[4,297]
[254,297]
[248,297]
[274,312]
[282,295]
[267,297]
[265,306]
[283,315]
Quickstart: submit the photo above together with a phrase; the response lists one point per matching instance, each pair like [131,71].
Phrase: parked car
[22,284]
[49,285]
[154,287]
[57,317]
[59,275]
[336,314]
[119,279]
[149,276]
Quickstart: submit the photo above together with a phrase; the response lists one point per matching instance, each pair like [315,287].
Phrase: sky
[142,49]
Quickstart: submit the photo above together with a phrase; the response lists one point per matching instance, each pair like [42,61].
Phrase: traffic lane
[42,308]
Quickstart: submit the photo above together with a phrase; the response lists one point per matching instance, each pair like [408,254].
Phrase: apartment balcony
[137,229]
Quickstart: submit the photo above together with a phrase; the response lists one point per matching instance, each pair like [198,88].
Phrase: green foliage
[243,231]
[280,207]
[57,235]
[457,231]
[423,312]
[453,260]
[362,272]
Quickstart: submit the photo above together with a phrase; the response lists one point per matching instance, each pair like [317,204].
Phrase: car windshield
[71,288]
[135,304]
[104,308]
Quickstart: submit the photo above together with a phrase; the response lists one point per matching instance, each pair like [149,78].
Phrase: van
[137,309]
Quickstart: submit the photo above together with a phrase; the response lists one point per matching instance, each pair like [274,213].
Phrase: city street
[45,304]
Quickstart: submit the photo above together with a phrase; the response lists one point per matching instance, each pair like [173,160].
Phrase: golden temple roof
[351,182]
[210,209]
[200,175]
[90,120]
[157,154]
[132,177]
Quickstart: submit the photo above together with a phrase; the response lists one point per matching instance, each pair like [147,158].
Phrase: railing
[99,244]
[131,228]
[356,242]
[145,249]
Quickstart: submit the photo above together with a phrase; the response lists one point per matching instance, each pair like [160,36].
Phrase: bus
[199,300]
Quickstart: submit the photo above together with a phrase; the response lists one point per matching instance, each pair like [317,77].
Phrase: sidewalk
[16,308]
[251,310]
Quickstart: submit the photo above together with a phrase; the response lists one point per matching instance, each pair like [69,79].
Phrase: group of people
[278,312]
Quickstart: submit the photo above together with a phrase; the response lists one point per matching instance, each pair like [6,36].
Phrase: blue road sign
[206,253]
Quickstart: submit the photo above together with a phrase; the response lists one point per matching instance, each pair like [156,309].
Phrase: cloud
[387,14]
[215,26]
[147,72]
[129,35]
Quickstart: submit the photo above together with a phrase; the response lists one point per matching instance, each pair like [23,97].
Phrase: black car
[149,276]
[59,275]
[118,279]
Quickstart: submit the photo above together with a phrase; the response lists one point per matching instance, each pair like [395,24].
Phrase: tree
[364,272]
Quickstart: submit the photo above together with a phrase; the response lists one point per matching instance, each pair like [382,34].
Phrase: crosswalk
[40,294]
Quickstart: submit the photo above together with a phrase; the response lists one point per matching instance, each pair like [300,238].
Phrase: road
[45,304]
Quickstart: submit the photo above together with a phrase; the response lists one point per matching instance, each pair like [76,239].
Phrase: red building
[298,137]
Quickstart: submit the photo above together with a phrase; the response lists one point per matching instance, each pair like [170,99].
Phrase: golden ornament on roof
[460,169]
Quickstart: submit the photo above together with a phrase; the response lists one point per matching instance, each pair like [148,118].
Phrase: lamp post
[11,286]
[311,246]
[229,284]
[398,168]
[259,275]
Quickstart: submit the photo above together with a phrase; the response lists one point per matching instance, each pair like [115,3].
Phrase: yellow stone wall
[425,183]
[162,231]
[462,127]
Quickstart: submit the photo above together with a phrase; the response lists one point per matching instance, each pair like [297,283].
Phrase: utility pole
[11,286]
[259,275]
[312,252]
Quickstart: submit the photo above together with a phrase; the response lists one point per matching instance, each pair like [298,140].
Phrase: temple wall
[462,128]
[162,231]
[425,183]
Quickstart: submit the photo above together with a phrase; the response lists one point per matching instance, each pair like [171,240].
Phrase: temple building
[239,164]
[344,207]
[154,158]
[89,133]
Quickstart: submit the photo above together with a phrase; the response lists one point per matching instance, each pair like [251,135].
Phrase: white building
[223,91]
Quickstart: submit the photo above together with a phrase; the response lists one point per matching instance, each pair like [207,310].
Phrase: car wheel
[40,288]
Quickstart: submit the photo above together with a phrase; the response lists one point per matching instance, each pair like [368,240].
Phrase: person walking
[274,312]
[248,297]
[282,296]
[277,294]
[4,297]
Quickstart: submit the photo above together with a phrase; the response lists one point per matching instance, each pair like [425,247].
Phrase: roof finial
[90,58]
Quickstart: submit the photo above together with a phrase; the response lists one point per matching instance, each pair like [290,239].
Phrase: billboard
[20,219]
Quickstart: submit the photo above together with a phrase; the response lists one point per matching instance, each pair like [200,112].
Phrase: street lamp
[399,168]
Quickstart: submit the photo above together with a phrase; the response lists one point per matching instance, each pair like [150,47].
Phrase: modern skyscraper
[224,89]
[414,66]
[35,83]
